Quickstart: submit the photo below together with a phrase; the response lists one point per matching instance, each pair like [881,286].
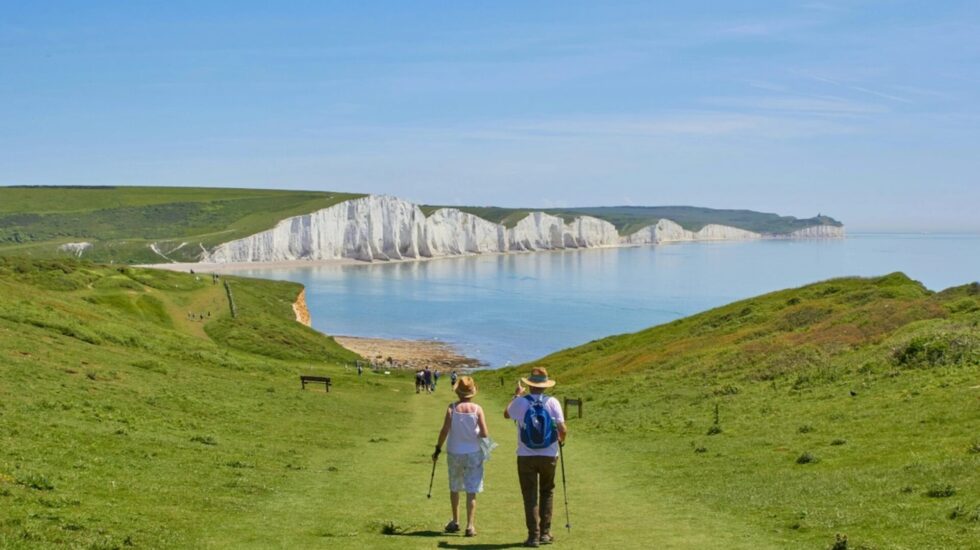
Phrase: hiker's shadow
[478,546]
[459,545]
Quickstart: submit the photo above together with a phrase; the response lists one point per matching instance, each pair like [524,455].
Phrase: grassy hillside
[122,222]
[126,418]
[129,417]
[629,219]
[125,422]
[844,407]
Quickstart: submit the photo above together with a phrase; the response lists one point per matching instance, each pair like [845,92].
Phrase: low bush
[941,491]
[807,458]
[36,481]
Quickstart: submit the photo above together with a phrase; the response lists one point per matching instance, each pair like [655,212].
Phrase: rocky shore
[408,354]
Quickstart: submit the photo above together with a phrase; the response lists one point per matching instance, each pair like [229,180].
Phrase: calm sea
[514,308]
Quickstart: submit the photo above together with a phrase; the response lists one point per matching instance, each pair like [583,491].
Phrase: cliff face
[388,228]
[668,231]
[816,232]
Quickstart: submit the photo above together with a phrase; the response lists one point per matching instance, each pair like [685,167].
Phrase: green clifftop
[847,406]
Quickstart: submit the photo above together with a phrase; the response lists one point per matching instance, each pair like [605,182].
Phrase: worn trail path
[384,480]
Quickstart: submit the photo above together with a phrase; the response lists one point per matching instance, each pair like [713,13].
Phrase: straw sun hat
[465,387]
[538,379]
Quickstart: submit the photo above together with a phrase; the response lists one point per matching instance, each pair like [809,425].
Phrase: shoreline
[231,267]
[409,354]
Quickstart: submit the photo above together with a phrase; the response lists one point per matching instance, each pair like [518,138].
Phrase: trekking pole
[564,486]
[432,479]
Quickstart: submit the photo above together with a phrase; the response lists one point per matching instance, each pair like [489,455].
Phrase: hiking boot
[546,539]
[452,527]
[531,542]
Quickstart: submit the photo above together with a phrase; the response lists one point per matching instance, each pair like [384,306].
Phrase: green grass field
[848,406]
[122,222]
[127,420]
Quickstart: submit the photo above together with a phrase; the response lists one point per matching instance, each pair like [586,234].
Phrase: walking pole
[564,486]
[433,478]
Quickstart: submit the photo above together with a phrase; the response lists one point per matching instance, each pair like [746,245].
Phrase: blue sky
[867,111]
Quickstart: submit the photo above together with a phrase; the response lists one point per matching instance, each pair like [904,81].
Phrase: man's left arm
[559,417]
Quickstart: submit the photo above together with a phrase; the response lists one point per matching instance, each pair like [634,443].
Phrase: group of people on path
[427,379]
[541,434]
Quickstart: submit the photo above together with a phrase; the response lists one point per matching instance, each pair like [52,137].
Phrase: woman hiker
[464,425]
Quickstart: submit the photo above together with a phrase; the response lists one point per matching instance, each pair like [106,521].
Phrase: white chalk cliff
[378,227]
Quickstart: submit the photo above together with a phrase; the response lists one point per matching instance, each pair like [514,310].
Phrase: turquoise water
[514,308]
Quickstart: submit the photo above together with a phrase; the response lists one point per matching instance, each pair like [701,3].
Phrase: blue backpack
[538,430]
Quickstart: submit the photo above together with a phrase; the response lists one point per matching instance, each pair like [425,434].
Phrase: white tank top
[464,433]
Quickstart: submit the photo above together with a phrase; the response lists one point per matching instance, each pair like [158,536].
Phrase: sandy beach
[408,354]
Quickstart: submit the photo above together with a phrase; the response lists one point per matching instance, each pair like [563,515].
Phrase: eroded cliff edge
[381,227]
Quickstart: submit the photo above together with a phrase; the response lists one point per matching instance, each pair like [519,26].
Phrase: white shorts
[466,472]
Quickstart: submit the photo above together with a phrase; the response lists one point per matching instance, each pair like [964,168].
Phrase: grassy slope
[781,369]
[629,219]
[121,419]
[123,221]
[122,423]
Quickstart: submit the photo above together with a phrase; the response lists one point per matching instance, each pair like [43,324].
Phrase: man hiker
[435,380]
[540,433]
[427,378]
[419,380]
[452,378]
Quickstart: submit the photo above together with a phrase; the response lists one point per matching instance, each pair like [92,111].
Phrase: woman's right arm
[447,423]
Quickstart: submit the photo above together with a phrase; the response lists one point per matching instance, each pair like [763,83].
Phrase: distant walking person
[419,381]
[427,378]
[464,425]
[452,378]
[360,368]
[540,432]
[435,380]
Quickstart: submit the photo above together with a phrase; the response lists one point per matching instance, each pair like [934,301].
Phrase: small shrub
[908,489]
[715,429]
[807,458]
[974,447]
[726,390]
[840,543]
[805,429]
[204,440]
[700,449]
[964,512]
[941,491]
[938,350]
[39,482]
[390,528]
[838,442]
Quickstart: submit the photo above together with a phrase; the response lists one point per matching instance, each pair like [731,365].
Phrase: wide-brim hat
[465,387]
[538,379]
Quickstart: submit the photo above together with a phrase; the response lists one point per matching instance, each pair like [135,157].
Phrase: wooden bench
[325,379]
